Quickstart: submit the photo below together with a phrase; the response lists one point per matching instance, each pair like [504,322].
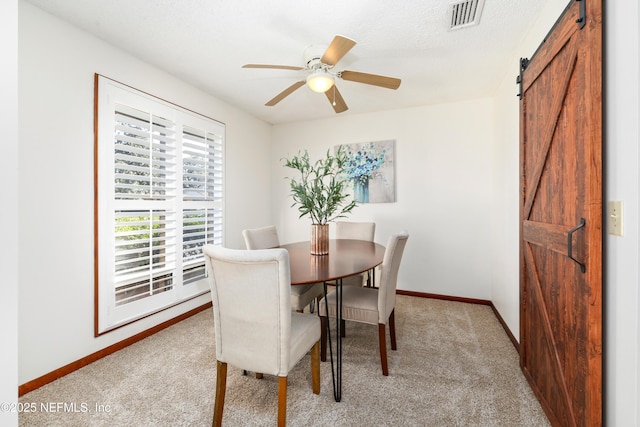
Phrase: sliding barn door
[561,218]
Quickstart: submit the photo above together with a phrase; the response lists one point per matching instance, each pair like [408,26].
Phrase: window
[159,184]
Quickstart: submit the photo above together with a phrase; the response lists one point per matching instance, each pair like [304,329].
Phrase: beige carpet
[454,366]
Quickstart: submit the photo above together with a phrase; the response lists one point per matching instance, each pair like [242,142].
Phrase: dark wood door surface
[561,218]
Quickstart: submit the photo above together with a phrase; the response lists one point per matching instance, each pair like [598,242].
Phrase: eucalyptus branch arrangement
[320,192]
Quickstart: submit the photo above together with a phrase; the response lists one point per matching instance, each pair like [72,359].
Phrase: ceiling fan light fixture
[320,81]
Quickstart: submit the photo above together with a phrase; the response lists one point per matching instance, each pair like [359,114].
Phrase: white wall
[505,291]
[56,70]
[443,189]
[9,212]
[622,254]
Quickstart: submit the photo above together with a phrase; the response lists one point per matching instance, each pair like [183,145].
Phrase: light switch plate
[614,218]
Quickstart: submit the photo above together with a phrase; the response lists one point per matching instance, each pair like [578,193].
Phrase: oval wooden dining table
[346,257]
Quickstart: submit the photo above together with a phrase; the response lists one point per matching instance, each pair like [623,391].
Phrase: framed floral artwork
[370,171]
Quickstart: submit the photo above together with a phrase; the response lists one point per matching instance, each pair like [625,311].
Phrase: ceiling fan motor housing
[312,55]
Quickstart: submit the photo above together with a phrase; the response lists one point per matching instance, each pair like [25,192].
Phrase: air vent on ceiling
[465,13]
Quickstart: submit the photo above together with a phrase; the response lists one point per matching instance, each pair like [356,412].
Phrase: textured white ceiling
[206,42]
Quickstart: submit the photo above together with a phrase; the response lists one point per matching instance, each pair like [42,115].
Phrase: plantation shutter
[160,189]
[144,171]
[202,192]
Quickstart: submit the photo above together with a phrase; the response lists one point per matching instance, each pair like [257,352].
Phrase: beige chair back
[355,230]
[261,238]
[251,291]
[267,237]
[389,275]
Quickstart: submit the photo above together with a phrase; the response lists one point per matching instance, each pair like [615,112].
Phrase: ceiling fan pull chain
[334,95]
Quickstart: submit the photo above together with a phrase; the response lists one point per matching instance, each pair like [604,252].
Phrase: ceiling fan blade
[288,91]
[370,79]
[336,100]
[337,49]
[278,67]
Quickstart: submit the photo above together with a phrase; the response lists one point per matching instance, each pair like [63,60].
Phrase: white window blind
[160,199]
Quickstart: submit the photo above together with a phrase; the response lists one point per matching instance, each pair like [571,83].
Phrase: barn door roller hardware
[582,20]
[524,63]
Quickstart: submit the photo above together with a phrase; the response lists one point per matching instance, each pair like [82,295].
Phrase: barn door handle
[583,268]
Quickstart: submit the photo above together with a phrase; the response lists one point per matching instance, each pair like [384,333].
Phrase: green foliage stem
[320,191]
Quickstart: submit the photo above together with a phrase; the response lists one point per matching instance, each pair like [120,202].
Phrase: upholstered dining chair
[375,306]
[255,328]
[359,231]
[267,237]
[355,230]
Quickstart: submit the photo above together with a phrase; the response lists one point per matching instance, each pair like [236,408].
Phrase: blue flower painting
[370,171]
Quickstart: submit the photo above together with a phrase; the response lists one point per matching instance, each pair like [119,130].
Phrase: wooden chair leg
[221,387]
[383,349]
[323,338]
[282,401]
[392,330]
[315,368]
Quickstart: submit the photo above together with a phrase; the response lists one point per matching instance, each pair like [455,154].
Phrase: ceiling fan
[321,75]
